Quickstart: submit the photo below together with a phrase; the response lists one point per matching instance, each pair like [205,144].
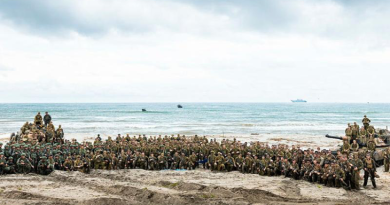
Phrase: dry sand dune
[177,187]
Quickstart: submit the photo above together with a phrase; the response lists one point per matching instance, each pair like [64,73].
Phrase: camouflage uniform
[24,165]
[356,165]
[44,167]
[386,160]
[369,171]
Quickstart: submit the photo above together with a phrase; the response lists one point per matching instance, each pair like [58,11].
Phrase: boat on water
[298,101]
[143,110]
[179,106]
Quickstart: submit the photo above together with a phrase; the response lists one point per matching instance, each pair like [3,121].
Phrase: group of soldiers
[364,134]
[181,152]
[42,130]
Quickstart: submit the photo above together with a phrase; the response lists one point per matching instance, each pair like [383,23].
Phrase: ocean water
[197,118]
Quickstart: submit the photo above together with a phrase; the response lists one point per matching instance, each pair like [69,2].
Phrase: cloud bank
[194,51]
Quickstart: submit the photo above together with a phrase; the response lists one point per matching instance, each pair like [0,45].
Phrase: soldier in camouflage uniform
[78,164]
[348,132]
[38,119]
[68,164]
[44,166]
[220,160]
[386,160]
[10,166]
[369,170]
[3,163]
[366,122]
[162,162]
[24,165]
[356,165]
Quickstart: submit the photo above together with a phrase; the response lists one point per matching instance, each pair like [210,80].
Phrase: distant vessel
[179,106]
[143,110]
[298,101]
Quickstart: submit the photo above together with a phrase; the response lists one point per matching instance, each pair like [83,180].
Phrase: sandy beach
[178,187]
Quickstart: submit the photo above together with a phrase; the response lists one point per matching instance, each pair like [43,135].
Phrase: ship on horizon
[298,101]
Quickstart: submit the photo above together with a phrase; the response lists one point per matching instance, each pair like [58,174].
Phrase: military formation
[44,152]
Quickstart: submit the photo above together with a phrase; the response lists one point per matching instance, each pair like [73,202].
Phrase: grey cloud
[261,14]
[61,17]
[44,16]
[57,17]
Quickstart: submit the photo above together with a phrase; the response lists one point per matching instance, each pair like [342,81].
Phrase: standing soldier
[339,176]
[47,119]
[348,132]
[50,134]
[60,135]
[356,165]
[355,132]
[355,125]
[386,161]
[369,170]
[38,119]
[363,136]
[3,162]
[366,122]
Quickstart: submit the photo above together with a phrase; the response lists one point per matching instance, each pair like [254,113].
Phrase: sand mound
[176,187]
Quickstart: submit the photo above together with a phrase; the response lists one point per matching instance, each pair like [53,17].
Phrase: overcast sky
[194,50]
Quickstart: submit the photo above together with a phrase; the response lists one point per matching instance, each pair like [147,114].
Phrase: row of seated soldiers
[170,152]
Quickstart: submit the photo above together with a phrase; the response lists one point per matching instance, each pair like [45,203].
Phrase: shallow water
[198,118]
